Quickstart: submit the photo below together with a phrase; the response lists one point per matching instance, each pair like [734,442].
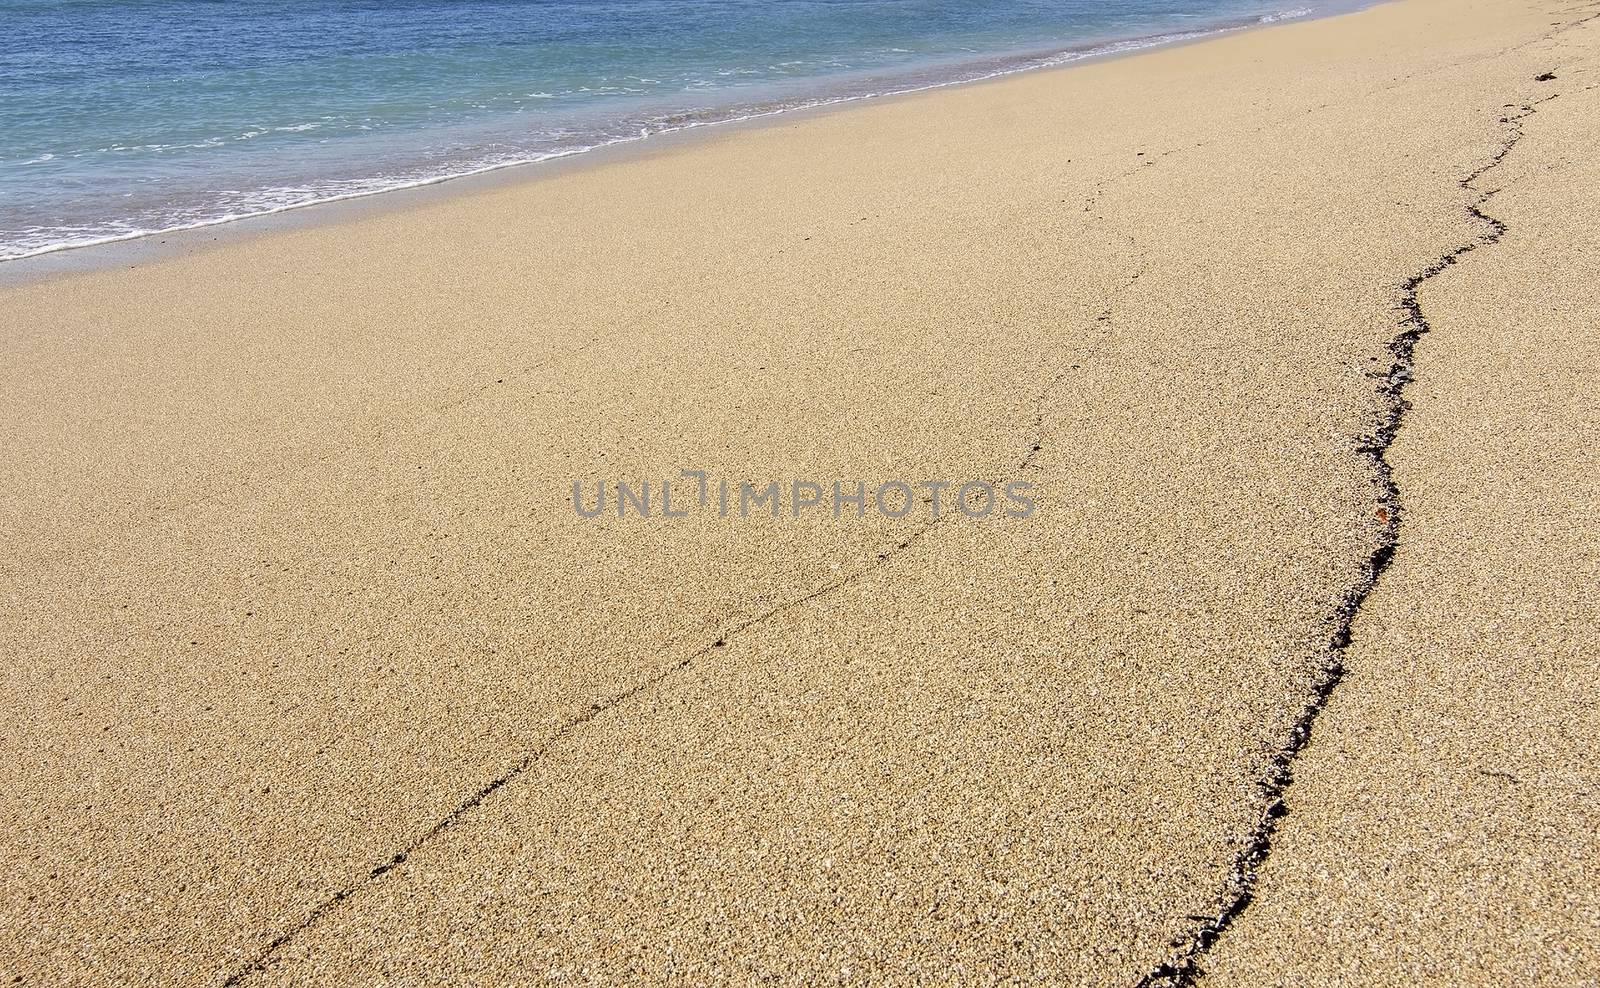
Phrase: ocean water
[125,117]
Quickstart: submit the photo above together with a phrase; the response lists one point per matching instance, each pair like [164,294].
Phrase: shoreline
[321,674]
[154,245]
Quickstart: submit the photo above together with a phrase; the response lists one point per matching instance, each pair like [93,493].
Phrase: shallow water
[123,117]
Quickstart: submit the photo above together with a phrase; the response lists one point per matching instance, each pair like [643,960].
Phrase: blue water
[123,117]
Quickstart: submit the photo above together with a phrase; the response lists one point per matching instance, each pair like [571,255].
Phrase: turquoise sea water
[123,117]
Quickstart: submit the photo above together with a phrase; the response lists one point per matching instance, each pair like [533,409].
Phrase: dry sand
[315,676]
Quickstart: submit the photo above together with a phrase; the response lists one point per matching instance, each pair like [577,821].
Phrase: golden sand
[316,677]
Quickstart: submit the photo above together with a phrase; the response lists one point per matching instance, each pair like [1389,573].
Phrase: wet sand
[318,677]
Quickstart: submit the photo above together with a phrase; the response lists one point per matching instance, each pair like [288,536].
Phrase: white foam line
[1030,65]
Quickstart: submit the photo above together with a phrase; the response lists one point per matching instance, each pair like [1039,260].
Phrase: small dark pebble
[1546,77]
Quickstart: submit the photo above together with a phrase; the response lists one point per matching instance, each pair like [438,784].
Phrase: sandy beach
[317,676]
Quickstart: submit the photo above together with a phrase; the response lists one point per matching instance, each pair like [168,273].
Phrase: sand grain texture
[316,677]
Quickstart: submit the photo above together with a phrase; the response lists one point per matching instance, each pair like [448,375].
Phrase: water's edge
[99,253]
